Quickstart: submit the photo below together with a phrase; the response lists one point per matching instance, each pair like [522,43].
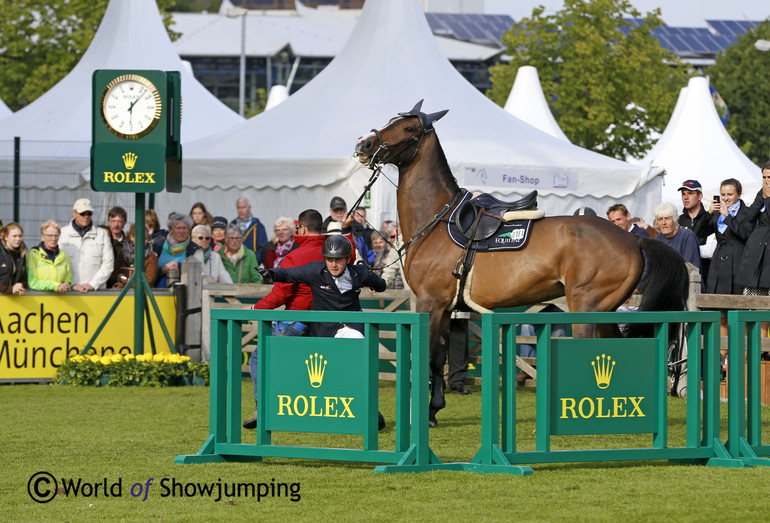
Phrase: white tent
[55,129]
[298,154]
[131,36]
[4,110]
[695,145]
[527,102]
[278,94]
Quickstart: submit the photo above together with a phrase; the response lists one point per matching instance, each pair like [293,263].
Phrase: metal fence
[51,176]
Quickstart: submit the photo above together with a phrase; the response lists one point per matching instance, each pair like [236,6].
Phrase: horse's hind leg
[439,333]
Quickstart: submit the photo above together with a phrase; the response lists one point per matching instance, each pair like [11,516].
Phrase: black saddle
[478,218]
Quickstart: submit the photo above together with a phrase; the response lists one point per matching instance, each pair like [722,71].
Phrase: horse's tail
[666,285]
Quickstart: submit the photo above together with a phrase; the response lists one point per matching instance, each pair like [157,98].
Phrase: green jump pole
[139,282]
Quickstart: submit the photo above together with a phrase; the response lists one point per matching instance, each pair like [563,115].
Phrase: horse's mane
[443,170]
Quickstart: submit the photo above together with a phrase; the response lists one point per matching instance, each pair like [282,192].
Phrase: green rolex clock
[131,106]
[135,130]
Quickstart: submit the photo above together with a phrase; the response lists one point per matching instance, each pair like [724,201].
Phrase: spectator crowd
[81,256]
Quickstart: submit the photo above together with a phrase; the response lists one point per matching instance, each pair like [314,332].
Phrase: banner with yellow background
[37,333]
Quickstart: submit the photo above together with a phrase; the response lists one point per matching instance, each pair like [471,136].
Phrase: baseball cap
[219,221]
[691,185]
[337,203]
[83,205]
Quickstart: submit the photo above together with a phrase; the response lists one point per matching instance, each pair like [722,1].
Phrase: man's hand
[267,276]
[347,220]
[82,287]
[18,289]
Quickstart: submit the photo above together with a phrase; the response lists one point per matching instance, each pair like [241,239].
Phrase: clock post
[135,147]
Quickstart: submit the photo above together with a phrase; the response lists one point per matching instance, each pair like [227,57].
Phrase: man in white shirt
[88,247]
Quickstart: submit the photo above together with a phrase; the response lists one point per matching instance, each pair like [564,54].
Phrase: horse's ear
[417,107]
[434,117]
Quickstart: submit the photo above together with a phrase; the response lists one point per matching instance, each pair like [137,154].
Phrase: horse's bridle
[385,147]
[376,164]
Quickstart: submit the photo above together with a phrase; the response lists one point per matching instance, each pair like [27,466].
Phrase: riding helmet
[337,246]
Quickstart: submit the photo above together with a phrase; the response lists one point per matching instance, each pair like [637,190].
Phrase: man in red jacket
[295,296]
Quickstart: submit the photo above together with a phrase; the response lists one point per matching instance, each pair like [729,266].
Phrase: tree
[598,71]
[741,76]
[42,40]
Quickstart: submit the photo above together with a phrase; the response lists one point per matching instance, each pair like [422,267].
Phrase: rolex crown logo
[603,370]
[316,365]
[129,160]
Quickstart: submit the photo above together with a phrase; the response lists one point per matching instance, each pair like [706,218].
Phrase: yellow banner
[37,333]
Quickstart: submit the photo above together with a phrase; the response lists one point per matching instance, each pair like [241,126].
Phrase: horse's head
[402,134]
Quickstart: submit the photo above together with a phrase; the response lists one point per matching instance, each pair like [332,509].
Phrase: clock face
[131,106]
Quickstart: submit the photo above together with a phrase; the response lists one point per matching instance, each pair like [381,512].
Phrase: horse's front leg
[439,339]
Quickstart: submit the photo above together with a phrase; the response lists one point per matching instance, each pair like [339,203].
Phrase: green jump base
[747,455]
[394,469]
[188,459]
[486,468]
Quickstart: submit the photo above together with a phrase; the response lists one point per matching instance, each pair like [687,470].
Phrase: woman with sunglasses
[212,265]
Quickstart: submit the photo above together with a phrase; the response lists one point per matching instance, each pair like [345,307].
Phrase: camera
[716,198]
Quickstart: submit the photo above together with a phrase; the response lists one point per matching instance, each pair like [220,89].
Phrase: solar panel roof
[473,27]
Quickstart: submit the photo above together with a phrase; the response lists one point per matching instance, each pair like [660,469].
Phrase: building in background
[288,43]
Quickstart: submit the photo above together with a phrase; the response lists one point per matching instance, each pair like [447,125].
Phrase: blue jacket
[326,295]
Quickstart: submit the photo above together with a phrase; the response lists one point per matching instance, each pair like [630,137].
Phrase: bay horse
[595,264]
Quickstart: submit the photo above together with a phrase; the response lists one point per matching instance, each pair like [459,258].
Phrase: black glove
[267,276]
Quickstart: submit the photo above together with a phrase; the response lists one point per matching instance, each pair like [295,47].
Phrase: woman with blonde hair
[281,244]
[13,268]
[48,267]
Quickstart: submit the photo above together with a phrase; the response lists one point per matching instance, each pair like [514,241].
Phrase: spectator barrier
[324,385]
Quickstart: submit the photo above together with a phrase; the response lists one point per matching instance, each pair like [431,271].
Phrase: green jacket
[44,274]
[245,271]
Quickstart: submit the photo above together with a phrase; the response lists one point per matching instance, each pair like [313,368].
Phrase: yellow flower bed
[156,370]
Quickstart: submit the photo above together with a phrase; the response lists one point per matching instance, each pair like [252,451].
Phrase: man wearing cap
[337,210]
[88,247]
[254,234]
[695,217]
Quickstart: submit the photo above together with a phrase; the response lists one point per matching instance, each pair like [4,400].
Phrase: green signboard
[604,386]
[320,385]
[135,131]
